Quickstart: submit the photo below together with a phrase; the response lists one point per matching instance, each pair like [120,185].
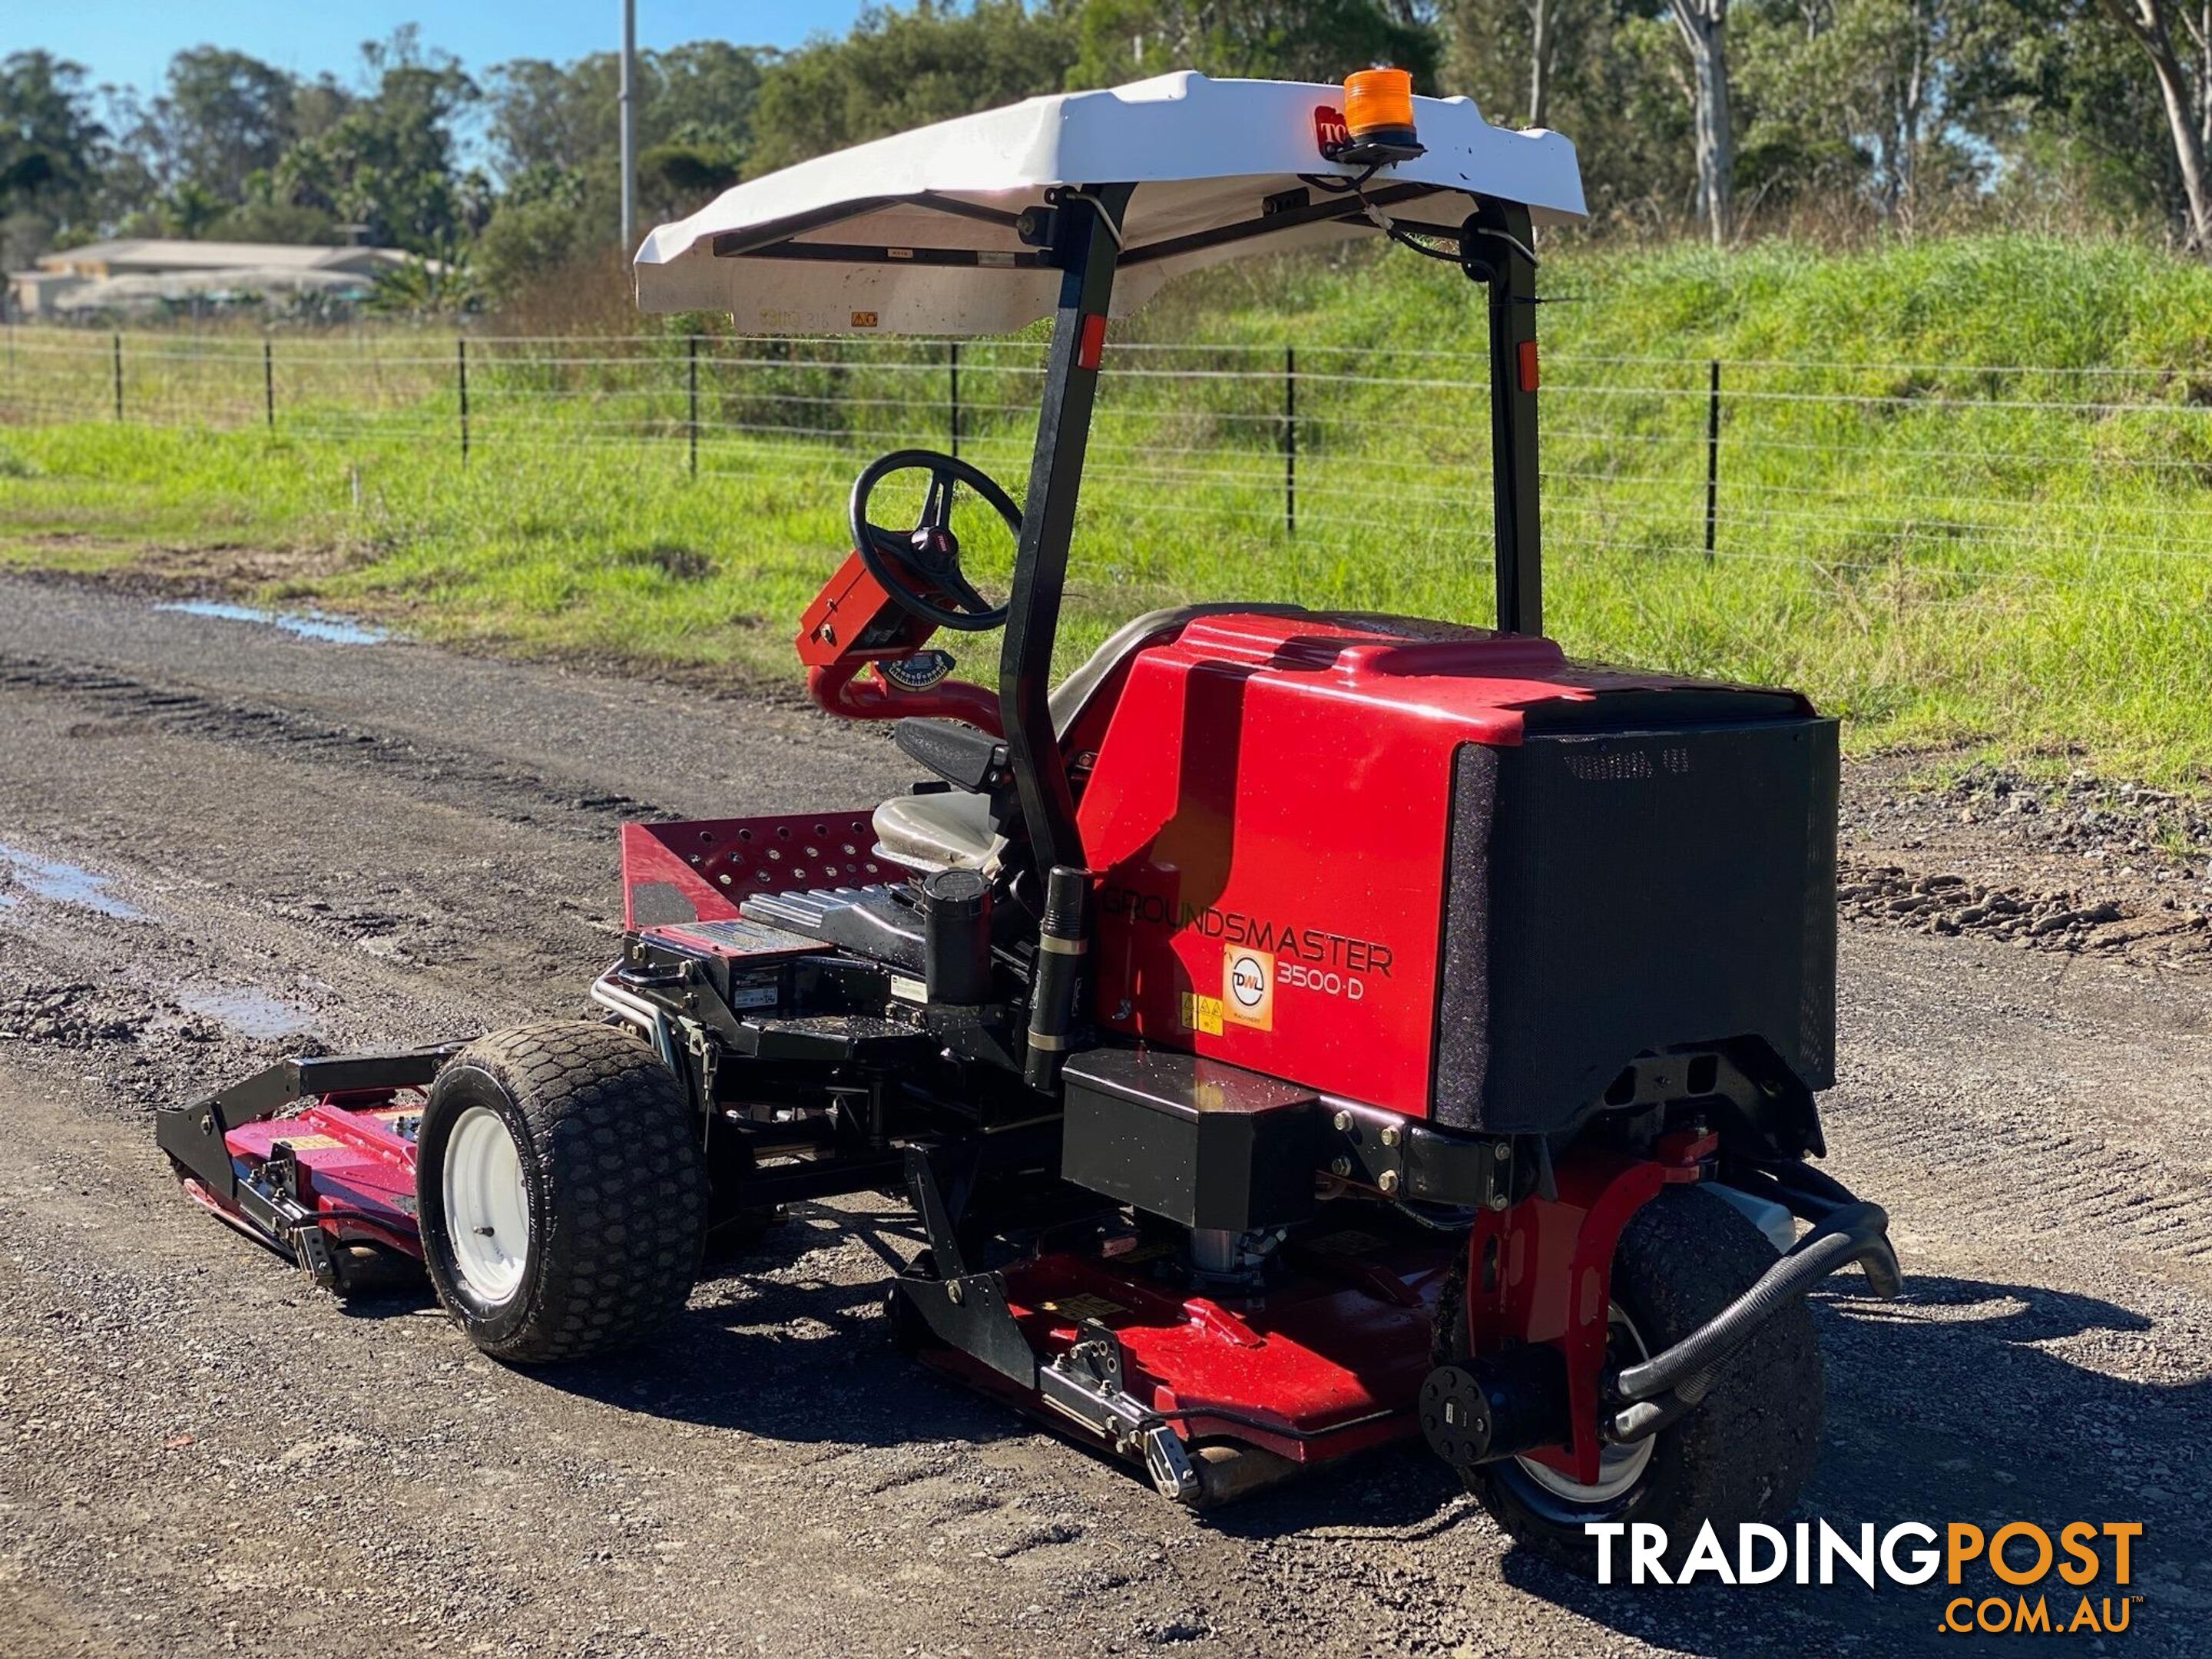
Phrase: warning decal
[1086,1307]
[1201,1014]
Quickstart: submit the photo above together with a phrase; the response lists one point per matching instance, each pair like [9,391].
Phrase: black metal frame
[1280,215]
[1085,248]
[1505,234]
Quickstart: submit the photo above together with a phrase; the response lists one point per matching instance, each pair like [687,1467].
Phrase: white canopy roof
[914,233]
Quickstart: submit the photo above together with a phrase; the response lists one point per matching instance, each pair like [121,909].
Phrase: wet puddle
[48,878]
[307,625]
[250,1013]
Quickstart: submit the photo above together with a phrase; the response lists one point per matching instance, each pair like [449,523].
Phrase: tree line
[1729,114]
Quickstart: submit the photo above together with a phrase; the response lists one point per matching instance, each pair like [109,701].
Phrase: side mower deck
[319,1183]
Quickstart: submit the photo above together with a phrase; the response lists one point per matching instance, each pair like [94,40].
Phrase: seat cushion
[946,831]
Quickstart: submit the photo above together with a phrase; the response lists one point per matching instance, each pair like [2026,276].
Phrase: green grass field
[1966,498]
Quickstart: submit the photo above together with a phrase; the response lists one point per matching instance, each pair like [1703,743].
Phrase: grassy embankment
[1945,561]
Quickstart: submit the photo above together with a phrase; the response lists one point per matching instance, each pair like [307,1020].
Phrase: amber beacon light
[1378,106]
[1378,120]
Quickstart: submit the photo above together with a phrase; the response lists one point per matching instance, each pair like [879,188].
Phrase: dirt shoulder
[2073,864]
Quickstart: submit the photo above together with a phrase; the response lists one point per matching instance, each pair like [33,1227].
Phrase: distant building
[150,274]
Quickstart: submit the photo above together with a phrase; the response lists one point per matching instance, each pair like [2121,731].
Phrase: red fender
[1542,1271]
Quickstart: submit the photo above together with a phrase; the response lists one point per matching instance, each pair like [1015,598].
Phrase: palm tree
[427,288]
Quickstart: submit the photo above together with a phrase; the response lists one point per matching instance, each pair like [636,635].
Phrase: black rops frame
[1507,266]
[1081,238]
[1086,248]
[1086,245]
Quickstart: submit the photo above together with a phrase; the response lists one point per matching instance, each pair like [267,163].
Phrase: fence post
[952,381]
[118,342]
[461,378]
[269,383]
[1291,442]
[693,370]
[1713,460]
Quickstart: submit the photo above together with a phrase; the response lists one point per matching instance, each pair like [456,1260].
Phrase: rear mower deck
[1321,1363]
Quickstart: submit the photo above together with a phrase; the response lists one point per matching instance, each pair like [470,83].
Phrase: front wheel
[1744,1454]
[561,1191]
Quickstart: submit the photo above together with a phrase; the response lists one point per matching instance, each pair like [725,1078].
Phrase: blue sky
[130,41]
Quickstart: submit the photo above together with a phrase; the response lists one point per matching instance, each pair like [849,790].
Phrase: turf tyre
[613,1176]
[1744,1455]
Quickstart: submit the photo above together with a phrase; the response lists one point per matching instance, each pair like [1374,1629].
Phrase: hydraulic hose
[1853,1232]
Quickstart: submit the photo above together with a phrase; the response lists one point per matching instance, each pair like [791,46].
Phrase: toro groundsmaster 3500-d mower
[1295,1031]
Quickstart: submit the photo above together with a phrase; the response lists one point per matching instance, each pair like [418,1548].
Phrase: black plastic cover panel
[1199,1142]
[1615,895]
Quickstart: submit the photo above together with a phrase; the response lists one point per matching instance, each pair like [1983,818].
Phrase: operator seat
[953,830]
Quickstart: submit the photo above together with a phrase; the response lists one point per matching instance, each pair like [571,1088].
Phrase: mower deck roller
[1297,1031]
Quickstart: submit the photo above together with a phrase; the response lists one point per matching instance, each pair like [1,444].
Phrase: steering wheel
[913,564]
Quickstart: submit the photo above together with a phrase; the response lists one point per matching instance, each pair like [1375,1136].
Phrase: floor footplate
[877,922]
[743,938]
[803,909]
[834,1039]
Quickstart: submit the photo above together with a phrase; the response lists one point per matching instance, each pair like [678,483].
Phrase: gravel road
[218,842]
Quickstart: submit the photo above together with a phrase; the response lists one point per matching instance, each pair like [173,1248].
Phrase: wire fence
[1897,483]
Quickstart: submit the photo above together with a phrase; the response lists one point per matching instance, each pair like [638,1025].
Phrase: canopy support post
[1500,260]
[1085,249]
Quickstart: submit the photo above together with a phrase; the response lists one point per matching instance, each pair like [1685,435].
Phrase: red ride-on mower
[1295,1031]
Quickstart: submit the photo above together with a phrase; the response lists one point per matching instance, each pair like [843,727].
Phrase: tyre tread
[617,1146]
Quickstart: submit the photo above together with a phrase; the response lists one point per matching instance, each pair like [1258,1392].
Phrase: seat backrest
[1073,694]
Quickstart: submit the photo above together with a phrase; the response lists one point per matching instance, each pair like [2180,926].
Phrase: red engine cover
[1270,811]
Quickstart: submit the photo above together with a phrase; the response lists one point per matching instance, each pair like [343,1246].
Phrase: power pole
[630,128]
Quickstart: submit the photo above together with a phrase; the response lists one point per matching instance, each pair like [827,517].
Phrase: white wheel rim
[487,1208]
[1619,1467]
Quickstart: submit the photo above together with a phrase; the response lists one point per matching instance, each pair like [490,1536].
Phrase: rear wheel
[561,1190]
[1744,1454]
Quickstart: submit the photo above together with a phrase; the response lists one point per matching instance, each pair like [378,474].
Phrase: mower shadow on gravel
[768,1348]
[1986,1422]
